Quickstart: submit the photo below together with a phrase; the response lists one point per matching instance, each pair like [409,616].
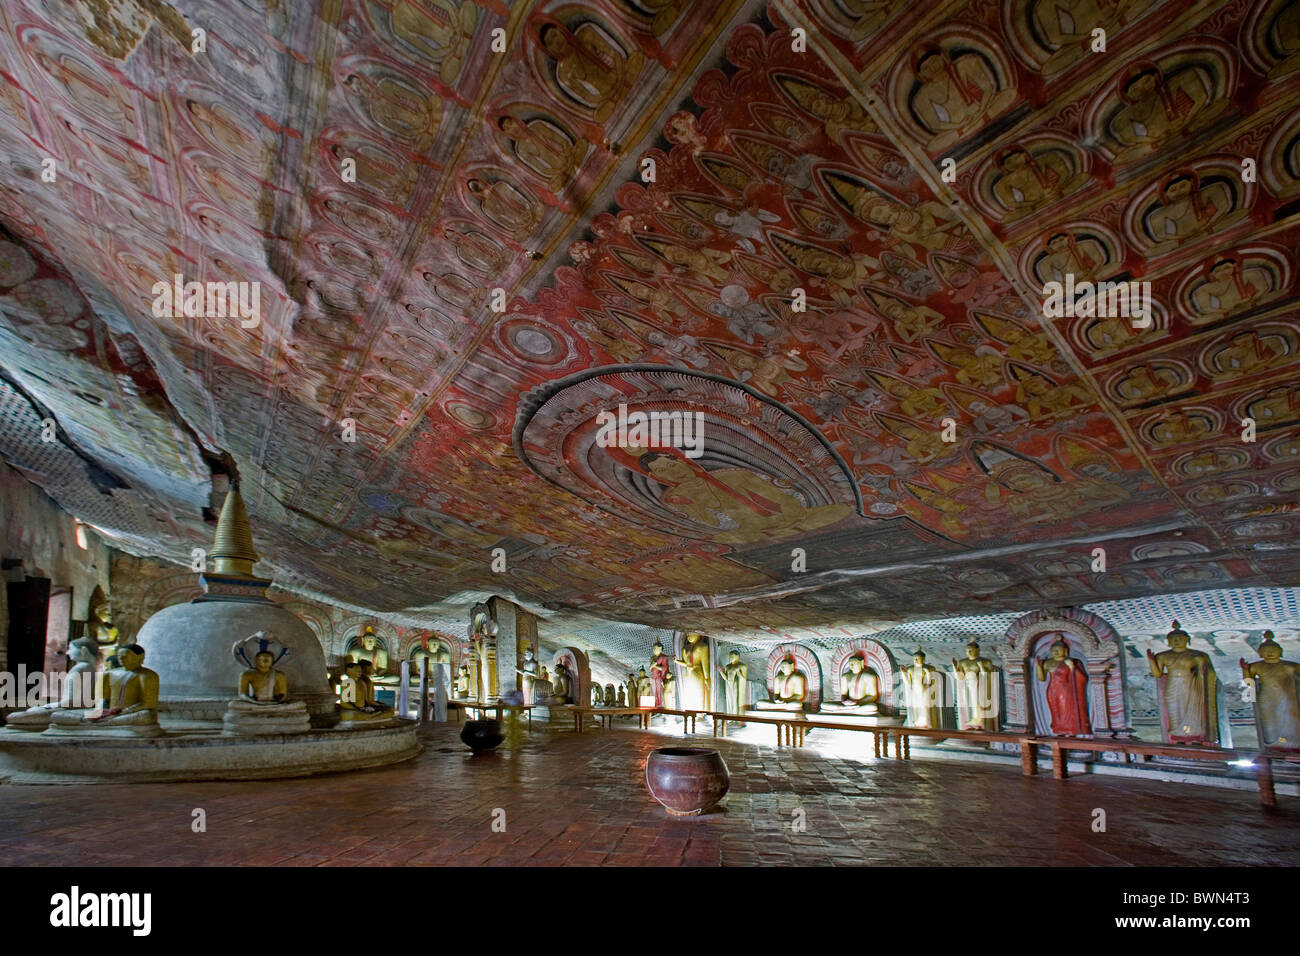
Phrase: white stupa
[189,644]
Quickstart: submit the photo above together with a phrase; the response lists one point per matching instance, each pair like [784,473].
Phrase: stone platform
[208,755]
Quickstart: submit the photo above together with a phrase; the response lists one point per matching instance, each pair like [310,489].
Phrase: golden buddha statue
[562,689]
[695,673]
[371,648]
[101,627]
[978,698]
[128,700]
[462,683]
[263,706]
[1277,695]
[789,688]
[859,689]
[356,699]
[670,691]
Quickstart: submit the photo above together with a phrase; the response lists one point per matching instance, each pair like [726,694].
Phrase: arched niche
[805,659]
[422,645]
[578,665]
[384,649]
[878,659]
[1091,640]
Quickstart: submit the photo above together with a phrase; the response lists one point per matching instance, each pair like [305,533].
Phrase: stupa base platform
[27,758]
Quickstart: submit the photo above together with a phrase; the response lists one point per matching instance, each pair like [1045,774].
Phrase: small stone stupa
[189,644]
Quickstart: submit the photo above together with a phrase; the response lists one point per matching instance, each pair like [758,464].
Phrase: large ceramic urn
[482,735]
[686,780]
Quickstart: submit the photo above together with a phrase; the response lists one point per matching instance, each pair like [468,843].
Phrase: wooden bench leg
[1058,761]
[1267,795]
[907,746]
[1028,758]
[875,743]
[898,746]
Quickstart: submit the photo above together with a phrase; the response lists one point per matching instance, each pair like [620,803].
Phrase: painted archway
[878,659]
[1092,641]
[805,659]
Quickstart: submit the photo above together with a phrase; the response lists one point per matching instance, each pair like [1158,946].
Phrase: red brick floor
[582,801]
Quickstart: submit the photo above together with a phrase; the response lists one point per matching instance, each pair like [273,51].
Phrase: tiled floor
[582,800]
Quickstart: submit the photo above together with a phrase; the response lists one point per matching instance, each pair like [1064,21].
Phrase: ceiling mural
[815,231]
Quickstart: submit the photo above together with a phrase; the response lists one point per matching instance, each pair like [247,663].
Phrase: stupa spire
[232,551]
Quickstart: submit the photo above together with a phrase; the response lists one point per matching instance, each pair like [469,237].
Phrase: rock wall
[39,539]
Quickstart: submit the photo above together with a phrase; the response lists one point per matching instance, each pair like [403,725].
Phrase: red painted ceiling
[505,264]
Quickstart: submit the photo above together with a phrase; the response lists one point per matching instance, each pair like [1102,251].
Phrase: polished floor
[582,801]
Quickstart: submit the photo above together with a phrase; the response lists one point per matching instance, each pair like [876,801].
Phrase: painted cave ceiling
[382,170]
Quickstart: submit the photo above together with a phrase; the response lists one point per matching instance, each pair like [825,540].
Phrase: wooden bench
[685,715]
[484,706]
[1262,761]
[605,715]
[793,729]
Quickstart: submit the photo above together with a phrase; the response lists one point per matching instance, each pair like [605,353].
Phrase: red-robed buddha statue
[1067,691]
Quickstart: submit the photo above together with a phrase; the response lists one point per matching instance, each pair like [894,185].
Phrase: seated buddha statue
[263,706]
[371,648]
[860,690]
[789,688]
[462,683]
[78,689]
[356,698]
[128,701]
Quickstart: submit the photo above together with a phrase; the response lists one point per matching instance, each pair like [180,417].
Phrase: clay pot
[481,735]
[686,780]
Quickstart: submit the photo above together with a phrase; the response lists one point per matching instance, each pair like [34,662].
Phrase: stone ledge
[27,758]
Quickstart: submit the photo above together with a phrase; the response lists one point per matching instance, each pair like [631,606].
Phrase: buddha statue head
[1270,649]
[250,650]
[918,657]
[658,649]
[1178,638]
[786,667]
[642,673]
[83,650]
[973,651]
[131,656]
[368,638]
[855,665]
[1059,650]
[733,657]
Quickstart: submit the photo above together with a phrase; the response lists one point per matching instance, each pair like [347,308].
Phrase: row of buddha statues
[124,696]
[1186,681]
